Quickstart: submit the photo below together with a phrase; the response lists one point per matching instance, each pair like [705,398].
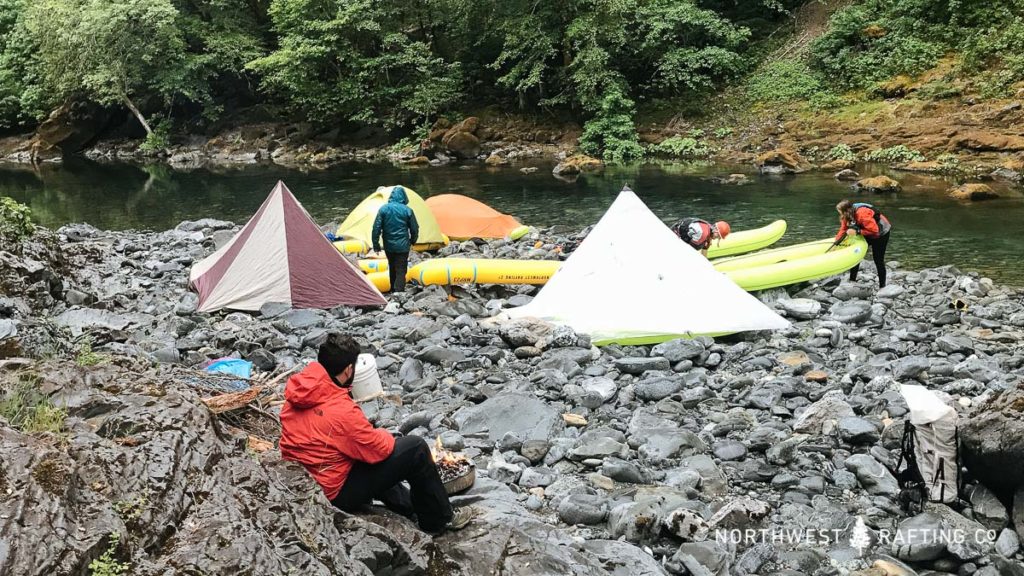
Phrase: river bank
[590,461]
[967,139]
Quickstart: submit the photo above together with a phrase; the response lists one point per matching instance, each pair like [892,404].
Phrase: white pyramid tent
[633,281]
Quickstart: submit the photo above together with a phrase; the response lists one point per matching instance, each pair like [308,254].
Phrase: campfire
[457,472]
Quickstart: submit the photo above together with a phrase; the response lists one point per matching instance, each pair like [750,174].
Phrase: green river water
[929,229]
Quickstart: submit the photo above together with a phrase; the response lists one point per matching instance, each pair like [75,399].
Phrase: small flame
[441,456]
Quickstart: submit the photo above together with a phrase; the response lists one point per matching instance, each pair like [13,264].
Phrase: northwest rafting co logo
[860,538]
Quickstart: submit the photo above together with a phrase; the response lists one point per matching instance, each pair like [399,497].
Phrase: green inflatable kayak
[791,265]
[743,241]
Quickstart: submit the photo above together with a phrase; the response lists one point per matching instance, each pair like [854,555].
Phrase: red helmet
[723,228]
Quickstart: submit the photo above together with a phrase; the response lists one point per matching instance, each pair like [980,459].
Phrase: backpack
[883,226]
[915,489]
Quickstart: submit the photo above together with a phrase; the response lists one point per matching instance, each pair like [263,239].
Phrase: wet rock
[1008,543]
[729,450]
[635,521]
[699,559]
[847,175]
[974,192]
[527,416]
[654,389]
[535,450]
[440,355]
[854,430]
[584,509]
[678,350]
[974,542]
[712,480]
[919,538]
[623,471]
[874,477]
[877,184]
[633,365]
[801,308]
[599,447]
[574,165]
[623,558]
[8,329]
[852,312]
[987,508]
[661,444]
[837,165]
[523,332]
[781,161]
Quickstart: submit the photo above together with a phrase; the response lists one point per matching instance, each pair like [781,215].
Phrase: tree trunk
[142,119]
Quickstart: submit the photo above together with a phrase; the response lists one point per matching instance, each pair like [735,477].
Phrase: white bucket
[366,382]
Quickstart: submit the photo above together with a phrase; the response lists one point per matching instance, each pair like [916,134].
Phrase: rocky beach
[759,453]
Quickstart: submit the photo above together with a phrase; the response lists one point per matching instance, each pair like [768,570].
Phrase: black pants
[878,246]
[398,265]
[410,462]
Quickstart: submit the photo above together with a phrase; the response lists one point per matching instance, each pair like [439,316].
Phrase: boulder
[992,441]
[525,415]
[70,128]
[574,165]
[874,477]
[824,414]
[781,161]
[801,308]
[847,175]
[523,332]
[983,140]
[877,184]
[136,471]
[639,365]
[837,165]
[973,192]
[587,509]
[463,145]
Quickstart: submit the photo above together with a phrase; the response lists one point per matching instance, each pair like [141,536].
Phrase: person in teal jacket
[396,222]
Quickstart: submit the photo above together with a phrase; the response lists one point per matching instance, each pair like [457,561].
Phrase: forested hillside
[180,66]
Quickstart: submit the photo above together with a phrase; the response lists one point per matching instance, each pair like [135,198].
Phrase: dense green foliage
[397,64]
[393,64]
[15,221]
[874,40]
[894,155]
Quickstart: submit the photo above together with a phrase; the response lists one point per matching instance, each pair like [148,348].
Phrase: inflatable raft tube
[451,271]
[744,241]
[381,280]
[360,247]
[794,264]
[371,265]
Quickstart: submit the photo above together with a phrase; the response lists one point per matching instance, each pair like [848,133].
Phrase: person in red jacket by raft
[699,233]
[869,222]
[323,429]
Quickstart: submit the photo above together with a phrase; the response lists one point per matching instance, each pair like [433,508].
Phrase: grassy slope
[936,113]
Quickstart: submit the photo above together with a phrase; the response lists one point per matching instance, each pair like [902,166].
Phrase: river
[929,228]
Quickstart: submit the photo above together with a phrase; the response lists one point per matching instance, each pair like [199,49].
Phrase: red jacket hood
[311,387]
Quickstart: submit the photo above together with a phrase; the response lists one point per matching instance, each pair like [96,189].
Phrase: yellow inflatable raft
[381,280]
[744,241]
[360,247]
[791,265]
[451,271]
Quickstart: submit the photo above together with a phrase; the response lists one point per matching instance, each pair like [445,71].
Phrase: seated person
[323,429]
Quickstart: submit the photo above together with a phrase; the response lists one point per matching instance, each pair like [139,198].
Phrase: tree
[21,98]
[365,61]
[109,51]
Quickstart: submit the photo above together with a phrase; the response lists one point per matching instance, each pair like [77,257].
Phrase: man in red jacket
[325,430]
